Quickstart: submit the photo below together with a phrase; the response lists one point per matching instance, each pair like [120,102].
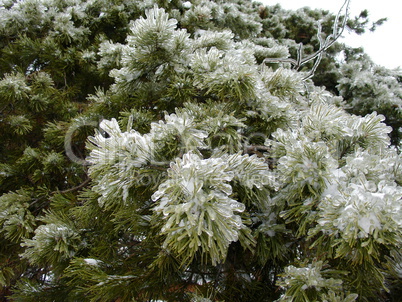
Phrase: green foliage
[313,283]
[16,220]
[150,152]
[54,242]
[367,88]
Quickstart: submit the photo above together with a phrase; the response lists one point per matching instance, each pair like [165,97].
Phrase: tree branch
[256,149]
[80,186]
[324,45]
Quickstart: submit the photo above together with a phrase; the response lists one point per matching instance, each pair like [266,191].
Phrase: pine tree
[174,151]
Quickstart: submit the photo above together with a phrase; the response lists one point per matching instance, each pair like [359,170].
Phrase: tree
[367,87]
[152,152]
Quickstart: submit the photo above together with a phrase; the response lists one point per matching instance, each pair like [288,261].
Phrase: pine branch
[76,188]
[159,167]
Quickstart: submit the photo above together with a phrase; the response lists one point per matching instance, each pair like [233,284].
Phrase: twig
[256,149]
[80,186]
[324,45]
[43,197]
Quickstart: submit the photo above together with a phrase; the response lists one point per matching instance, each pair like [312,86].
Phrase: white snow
[91,261]
[187,4]
[367,222]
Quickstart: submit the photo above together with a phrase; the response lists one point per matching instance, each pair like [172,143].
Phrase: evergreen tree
[188,151]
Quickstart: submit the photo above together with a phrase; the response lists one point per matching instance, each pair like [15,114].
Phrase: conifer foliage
[168,151]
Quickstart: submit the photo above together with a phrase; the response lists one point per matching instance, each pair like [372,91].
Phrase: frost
[14,86]
[306,164]
[250,171]
[120,146]
[187,4]
[91,261]
[59,240]
[196,205]
[221,40]
[230,74]
[268,224]
[369,222]
[362,209]
[191,180]
[309,276]
[181,125]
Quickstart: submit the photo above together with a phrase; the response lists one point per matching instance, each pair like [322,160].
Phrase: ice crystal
[198,212]
[312,278]
[250,171]
[355,211]
[121,154]
[52,241]
[13,86]
[91,261]
[179,126]
[119,146]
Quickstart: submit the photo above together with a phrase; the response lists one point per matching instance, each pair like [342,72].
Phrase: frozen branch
[324,44]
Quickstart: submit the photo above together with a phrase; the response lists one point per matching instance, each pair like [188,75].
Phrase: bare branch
[332,38]
[256,149]
[299,56]
[80,186]
[324,45]
[319,56]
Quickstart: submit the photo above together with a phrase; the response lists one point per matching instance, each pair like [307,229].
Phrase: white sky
[384,46]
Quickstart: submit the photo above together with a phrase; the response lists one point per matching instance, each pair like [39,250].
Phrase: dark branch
[80,186]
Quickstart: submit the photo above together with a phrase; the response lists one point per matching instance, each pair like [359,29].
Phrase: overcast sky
[384,46]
